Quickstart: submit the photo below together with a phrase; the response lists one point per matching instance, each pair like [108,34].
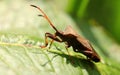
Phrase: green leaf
[22,32]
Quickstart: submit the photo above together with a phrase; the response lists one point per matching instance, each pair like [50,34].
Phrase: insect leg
[67,49]
[53,37]
[51,43]
[46,41]
[67,46]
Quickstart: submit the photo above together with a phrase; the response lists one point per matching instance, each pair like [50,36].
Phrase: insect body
[71,38]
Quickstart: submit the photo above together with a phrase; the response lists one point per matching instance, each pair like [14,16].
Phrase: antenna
[45,16]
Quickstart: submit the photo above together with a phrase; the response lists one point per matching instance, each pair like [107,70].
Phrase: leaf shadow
[88,65]
[49,60]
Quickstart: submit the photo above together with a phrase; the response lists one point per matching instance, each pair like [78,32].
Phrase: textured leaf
[22,31]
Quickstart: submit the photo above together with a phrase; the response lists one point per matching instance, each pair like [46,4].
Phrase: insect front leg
[53,37]
[51,43]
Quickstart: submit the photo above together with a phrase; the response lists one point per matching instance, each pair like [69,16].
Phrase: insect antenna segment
[45,16]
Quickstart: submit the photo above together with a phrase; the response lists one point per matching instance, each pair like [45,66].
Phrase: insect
[71,39]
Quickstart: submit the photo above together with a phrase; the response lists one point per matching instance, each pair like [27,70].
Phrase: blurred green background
[103,12]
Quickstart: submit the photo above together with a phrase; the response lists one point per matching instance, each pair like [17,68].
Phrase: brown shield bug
[70,38]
